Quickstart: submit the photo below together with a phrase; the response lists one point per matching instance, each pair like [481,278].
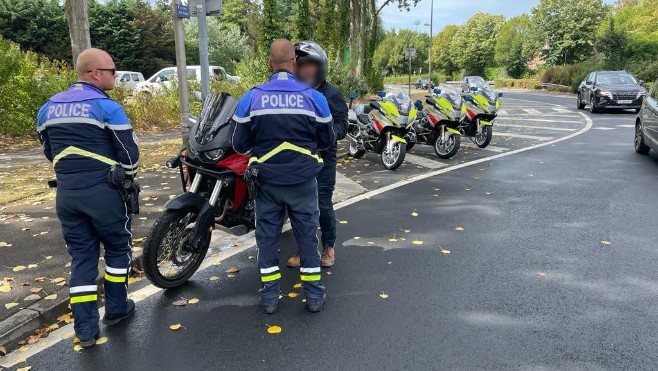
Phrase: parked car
[129,79]
[470,81]
[166,76]
[646,124]
[610,90]
[424,84]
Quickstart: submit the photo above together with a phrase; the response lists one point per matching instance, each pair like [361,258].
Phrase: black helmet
[309,51]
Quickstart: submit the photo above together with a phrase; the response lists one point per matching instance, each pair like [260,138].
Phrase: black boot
[113,319]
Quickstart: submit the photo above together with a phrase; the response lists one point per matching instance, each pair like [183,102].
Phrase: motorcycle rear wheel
[483,138]
[166,263]
[393,160]
[447,150]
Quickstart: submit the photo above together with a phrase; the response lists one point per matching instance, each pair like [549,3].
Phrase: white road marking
[625,126]
[533,127]
[541,120]
[487,148]
[562,110]
[542,115]
[424,161]
[502,112]
[524,136]
[532,111]
[249,241]
[603,128]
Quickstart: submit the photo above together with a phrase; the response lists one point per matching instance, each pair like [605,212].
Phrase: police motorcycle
[380,127]
[437,124]
[479,110]
[215,196]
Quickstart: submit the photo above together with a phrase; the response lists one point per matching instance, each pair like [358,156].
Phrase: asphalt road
[554,268]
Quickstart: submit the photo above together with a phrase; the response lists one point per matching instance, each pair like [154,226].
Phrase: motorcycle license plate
[624,101]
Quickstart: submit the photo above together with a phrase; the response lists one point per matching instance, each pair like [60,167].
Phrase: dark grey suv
[646,124]
[610,90]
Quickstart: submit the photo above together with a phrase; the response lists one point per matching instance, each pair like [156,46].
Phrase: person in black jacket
[312,68]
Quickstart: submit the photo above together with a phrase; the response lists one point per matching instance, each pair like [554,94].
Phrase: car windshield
[616,79]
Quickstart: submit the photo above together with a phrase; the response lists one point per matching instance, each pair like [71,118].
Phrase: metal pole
[430,59]
[183,95]
[410,72]
[203,48]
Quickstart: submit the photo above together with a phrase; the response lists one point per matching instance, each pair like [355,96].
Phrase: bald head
[282,55]
[94,66]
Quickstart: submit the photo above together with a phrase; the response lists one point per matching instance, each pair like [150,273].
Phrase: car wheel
[580,103]
[592,105]
[640,146]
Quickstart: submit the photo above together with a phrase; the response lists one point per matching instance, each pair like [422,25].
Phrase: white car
[128,79]
[166,76]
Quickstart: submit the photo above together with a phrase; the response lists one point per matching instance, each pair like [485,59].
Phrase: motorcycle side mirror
[352,95]
[474,88]
[500,95]
[419,104]
[437,91]
[381,94]
[468,98]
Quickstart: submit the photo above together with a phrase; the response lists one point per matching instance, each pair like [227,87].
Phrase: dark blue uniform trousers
[301,201]
[326,184]
[89,217]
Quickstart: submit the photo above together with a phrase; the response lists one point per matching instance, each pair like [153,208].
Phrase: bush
[404,79]
[531,84]
[340,76]
[570,75]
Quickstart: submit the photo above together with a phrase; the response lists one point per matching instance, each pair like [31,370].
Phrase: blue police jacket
[84,132]
[283,124]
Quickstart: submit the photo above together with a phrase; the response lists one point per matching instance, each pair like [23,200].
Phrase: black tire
[410,145]
[355,151]
[640,146]
[170,222]
[580,103]
[457,139]
[483,142]
[592,105]
[398,160]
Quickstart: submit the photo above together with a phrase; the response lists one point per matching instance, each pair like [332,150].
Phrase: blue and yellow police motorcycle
[437,123]
[478,112]
[381,126]
[215,196]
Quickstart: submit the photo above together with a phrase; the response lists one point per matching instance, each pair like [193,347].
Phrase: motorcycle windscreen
[215,116]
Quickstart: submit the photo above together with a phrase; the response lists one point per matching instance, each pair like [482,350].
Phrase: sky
[451,12]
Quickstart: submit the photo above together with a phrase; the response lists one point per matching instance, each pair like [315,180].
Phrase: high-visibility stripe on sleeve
[324,119]
[85,288]
[72,150]
[84,298]
[116,270]
[130,166]
[310,270]
[119,127]
[241,120]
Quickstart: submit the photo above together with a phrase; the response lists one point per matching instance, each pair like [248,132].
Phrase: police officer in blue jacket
[283,124]
[85,134]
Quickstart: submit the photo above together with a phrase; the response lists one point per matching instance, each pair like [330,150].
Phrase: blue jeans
[326,184]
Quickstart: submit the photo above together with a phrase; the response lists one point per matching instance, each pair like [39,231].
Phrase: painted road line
[533,127]
[487,148]
[542,120]
[516,114]
[561,110]
[625,126]
[524,136]
[249,241]
[424,161]
[502,112]
[603,128]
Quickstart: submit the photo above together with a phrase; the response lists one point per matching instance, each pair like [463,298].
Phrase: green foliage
[303,23]
[572,74]
[474,42]
[226,45]
[340,77]
[271,26]
[531,84]
[567,28]
[254,70]
[442,56]
[514,48]
[404,79]
[27,81]
[390,52]
[246,15]
[612,44]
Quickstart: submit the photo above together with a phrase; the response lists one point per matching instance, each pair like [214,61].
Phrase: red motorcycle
[215,196]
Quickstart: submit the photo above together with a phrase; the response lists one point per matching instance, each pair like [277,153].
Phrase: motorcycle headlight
[214,155]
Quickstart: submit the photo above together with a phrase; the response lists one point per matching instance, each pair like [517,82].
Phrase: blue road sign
[182,11]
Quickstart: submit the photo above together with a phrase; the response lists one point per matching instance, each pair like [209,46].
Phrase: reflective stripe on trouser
[301,201]
[88,217]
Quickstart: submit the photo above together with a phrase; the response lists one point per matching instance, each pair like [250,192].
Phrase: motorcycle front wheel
[355,151]
[484,136]
[393,159]
[448,148]
[167,263]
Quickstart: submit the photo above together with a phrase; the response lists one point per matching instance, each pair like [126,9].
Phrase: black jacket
[338,109]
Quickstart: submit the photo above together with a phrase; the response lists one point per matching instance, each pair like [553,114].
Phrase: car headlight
[214,155]
[603,93]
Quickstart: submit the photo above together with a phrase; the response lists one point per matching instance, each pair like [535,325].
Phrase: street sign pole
[178,12]
[410,53]
[430,58]
[409,74]
[203,48]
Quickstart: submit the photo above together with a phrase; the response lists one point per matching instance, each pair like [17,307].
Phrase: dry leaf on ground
[444,251]
[383,295]
[292,295]
[193,301]
[417,242]
[51,297]
[175,327]
[232,270]
[10,305]
[101,340]
[180,303]
[274,329]
[298,286]
[459,229]
[5,288]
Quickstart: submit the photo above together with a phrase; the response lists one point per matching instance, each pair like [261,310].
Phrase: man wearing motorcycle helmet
[312,67]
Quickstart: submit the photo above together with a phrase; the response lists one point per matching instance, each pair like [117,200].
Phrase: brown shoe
[294,261]
[328,257]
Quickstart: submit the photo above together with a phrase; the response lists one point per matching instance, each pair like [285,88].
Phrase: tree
[474,43]
[303,23]
[226,45]
[514,48]
[612,44]
[271,27]
[566,28]
[390,52]
[442,56]
[78,20]
[245,14]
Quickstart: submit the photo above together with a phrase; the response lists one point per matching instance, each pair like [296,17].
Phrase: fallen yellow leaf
[383,295]
[5,244]
[53,327]
[273,329]
[214,278]
[175,327]
[542,274]
[78,348]
[417,242]
[10,305]
[5,288]
[606,242]
[414,213]
[32,266]
[51,297]
[18,268]
[24,348]
[342,222]
[459,229]
[58,280]
[444,251]
[392,239]
[232,270]
[298,286]
[292,295]
[407,231]
[193,301]
[230,275]
[101,340]
[357,238]
[26,368]
[370,243]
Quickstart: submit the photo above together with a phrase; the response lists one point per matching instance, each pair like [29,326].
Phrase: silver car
[646,124]
[128,79]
